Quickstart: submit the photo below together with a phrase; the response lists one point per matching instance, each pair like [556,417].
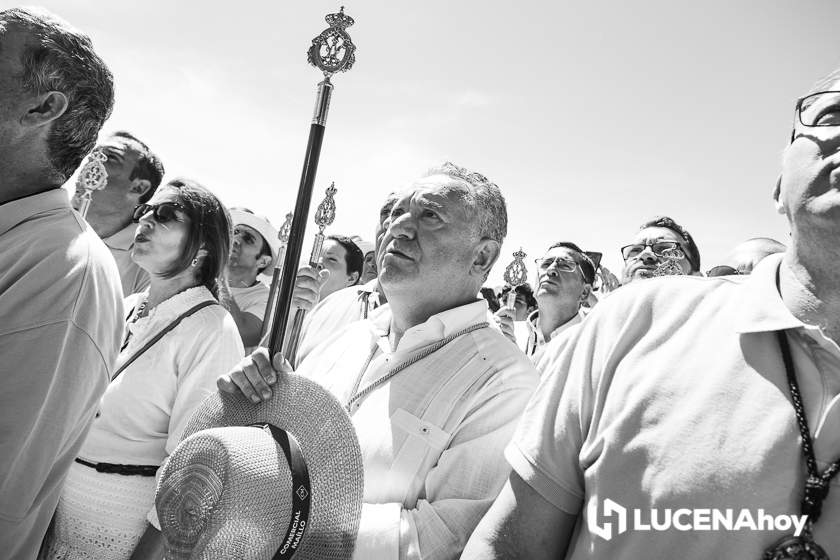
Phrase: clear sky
[590,116]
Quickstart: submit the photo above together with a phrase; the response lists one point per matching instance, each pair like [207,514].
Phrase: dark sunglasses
[162,213]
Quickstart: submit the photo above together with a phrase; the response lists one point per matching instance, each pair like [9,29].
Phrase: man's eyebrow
[112,151]
[430,203]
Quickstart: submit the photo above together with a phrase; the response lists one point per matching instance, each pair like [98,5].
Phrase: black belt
[126,470]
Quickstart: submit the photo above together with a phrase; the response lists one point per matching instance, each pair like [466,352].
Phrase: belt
[126,470]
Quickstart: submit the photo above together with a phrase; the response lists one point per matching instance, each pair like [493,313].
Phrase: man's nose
[402,225]
[648,256]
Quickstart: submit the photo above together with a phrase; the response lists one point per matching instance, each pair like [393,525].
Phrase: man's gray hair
[483,197]
[58,57]
[825,82]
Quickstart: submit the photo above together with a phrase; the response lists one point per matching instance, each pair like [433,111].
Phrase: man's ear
[140,187]
[352,278]
[777,196]
[263,261]
[45,108]
[486,254]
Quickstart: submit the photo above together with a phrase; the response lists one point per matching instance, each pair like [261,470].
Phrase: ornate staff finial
[333,51]
[285,231]
[92,177]
[324,216]
[670,265]
[515,274]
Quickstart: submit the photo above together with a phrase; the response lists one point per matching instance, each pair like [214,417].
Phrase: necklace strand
[357,396]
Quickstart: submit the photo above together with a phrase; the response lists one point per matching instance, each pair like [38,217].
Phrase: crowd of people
[492,422]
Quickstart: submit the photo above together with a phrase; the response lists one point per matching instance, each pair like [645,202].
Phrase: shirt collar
[123,239]
[761,308]
[533,326]
[18,211]
[437,327]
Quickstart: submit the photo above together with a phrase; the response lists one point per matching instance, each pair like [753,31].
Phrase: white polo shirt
[673,394]
[61,321]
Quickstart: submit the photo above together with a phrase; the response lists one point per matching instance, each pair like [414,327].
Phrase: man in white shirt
[254,250]
[60,297]
[691,417]
[134,173]
[564,282]
[433,392]
[333,313]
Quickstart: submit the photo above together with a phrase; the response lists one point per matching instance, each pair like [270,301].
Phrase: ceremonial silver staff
[670,264]
[92,177]
[332,51]
[324,216]
[283,236]
[515,275]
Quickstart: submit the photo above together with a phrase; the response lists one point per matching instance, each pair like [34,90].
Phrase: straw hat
[229,490]
[263,226]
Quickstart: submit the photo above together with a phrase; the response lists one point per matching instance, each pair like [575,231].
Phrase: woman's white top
[145,409]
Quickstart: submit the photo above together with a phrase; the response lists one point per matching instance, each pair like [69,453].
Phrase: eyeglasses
[162,213]
[669,249]
[818,109]
[722,270]
[564,265]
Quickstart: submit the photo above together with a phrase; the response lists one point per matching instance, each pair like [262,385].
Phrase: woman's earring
[194,261]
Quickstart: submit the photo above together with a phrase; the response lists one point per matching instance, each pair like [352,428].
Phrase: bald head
[746,255]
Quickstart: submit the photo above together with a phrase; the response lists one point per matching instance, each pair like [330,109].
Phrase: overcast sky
[590,116]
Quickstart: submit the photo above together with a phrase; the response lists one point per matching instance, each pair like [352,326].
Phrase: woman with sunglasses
[178,340]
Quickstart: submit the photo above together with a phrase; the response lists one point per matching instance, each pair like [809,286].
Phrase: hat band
[301,490]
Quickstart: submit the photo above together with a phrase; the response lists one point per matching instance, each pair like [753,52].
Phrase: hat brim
[330,447]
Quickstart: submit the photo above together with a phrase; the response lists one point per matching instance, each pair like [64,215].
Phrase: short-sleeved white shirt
[252,299]
[60,328]
[673,394]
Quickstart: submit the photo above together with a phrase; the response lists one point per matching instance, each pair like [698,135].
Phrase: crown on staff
[333,50]
[325,214]
[339,19]
[516,273]
[285,230]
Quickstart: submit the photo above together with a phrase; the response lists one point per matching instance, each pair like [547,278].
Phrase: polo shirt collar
[20,210]
[761,306]
[123,239]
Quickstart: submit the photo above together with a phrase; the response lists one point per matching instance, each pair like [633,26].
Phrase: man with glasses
[134,174]
[662,247]
[564,282]
[698,397]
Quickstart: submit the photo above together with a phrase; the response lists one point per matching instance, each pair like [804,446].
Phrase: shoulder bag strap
[159,335]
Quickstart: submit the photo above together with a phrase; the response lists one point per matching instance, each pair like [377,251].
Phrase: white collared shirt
[432,437]
[60,326]
[673,394]
[535,341]
[332,314]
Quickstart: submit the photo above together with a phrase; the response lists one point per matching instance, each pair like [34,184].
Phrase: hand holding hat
[236,488]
